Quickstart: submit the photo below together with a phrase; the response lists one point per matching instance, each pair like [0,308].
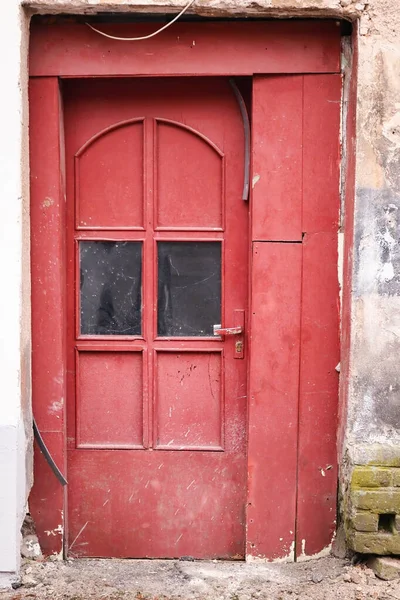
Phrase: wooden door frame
[197,49]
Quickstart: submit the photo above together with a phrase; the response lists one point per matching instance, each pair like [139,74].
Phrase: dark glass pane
[111,288]
[189,288]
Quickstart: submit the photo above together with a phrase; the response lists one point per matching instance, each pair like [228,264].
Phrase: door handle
[218,330]
[239,321]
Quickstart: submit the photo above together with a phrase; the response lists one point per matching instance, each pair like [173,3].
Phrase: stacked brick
[373,510]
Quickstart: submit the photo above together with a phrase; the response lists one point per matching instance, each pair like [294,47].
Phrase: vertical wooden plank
[277,158]
[318,402]
[321,152]
[273,404]
[48,367]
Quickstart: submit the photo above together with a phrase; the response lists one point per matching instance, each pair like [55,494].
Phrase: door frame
[299,63]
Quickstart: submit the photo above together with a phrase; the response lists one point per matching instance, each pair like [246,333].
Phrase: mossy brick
[396,477]
[389,457]
[365,521]
[380,501]
[374,543]
[371,477]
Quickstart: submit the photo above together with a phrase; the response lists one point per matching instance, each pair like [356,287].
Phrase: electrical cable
[47,454]
[144,37]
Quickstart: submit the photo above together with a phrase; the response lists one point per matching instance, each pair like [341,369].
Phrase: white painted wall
[12,430]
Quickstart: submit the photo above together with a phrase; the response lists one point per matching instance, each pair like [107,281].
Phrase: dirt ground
[324,579]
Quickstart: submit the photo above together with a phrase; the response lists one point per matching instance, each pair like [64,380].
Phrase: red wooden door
[157,255]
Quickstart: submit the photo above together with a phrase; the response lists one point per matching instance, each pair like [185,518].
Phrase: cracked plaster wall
[374,394]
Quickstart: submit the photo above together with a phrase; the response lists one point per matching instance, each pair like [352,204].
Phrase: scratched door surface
[157,255]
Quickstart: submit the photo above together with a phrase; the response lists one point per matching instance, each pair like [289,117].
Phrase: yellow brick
[365,521]
[377,501]
[371,477]
[396,477]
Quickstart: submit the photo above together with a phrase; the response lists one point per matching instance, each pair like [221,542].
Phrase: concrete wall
[372,438]
[374,409]
[372,428]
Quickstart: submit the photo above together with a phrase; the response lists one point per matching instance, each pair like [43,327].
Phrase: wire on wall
[144,37]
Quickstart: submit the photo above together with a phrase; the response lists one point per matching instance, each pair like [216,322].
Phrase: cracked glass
[189,288]
[110,288]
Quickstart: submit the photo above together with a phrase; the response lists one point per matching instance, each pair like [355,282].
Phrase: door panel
[110,167]
[157,255]
[197,421]
[108,385]
[190,193]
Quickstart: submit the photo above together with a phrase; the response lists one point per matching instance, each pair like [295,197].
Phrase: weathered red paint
[186,48]
[295,154]
[159,470]
[321,153]
[277,158]
[296,199]
[318,401]
[273,399]
[48,308]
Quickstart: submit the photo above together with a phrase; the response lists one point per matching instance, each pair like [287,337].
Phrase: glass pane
[111,288]
[189,288]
